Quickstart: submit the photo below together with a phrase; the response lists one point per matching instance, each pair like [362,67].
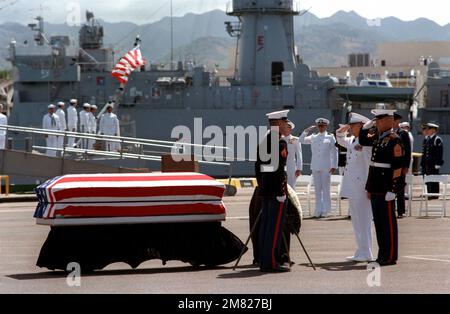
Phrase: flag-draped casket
[101,219]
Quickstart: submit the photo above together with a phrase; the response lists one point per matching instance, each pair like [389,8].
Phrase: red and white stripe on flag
[127,64]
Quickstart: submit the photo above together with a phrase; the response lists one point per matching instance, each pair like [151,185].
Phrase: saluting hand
[332,171]
[298,173]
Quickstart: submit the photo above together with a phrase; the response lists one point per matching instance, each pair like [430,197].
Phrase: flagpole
[171,35]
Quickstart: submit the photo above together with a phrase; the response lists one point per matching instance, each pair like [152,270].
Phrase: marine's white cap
[51,107]
[382,113]
[94,107]
[405,125]
[278,115]
[86,105]
[291,124]
[61,104]
[323,121]
[73,101]
[357,118]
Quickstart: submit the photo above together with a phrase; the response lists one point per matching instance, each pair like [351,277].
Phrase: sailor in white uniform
[324,163]
[51,122]
[62,119]
[4,122]
[295,156]
[72,121]
[85,123]
[93,125]
[109,125]
[354,184]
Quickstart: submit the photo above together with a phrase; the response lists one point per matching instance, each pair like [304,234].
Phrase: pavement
[424,265]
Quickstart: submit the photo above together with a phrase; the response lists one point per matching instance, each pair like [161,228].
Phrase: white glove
[281,199]
[369,125]
[390,197]
[438,167]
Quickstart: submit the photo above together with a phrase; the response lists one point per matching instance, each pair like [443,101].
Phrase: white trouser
[2,141]
[91,143]
[292,179]
[362,217]
[71,140]
[322,183]
[60,142]
[52,142]
[84,142]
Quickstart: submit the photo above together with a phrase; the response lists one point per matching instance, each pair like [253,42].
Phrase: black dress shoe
[386,263]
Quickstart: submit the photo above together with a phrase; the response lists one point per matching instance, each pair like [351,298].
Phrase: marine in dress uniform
[62,119]
[271,175]
[324,163]
[433,154]
[51,122]
[3,121]
[353,186]
[385,181]
[72,121]
[404,136]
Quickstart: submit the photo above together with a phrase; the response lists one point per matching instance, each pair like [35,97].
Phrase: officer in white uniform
[62,119]
[295,156]
[51,122]
[354,186]
[92,125]
[324,163]
[3,121]
[85,124]
[72,121]
[109,125]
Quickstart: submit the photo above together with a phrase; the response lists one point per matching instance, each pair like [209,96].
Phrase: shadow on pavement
[340,266]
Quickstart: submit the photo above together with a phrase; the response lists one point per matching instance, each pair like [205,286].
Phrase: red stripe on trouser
[391,228]
[275,237]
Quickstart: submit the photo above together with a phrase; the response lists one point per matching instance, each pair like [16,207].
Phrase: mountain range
[202,37]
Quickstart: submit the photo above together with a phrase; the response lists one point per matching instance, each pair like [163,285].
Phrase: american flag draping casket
[130,198]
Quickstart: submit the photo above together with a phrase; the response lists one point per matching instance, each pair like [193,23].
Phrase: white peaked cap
[278,115]
[86,105]
[61,103]
[291,124]
[94,107]
[405,125]
[51,107]
[323,121]
[379,113]
[73,101]
[357,118]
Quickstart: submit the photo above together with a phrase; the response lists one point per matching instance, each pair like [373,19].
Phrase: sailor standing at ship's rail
[270,170]
[109,125]
[3,121]
[51,122]
[353,186]
[85,124]
[385,180]
[72,121]
[323,164]
[93,125]
[62,119]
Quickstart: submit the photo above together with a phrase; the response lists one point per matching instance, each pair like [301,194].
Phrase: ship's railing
[160,148]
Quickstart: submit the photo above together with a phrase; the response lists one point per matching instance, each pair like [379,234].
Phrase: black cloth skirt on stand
[95,247]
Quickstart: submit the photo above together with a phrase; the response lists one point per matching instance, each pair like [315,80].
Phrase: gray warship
[269,75]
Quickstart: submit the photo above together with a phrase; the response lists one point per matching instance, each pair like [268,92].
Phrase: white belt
[378,165]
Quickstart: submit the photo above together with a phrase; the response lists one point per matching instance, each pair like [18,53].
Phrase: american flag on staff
[127,64]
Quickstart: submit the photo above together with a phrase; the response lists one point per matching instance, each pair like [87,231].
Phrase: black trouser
[432,187]
[386,228]
[401,207]
[254,211]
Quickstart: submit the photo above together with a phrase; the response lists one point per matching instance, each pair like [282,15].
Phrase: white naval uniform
[324,158]
[85,127]
[72,124]
[109,125]
[3,121]
[354,189]
[294,161]
[51,123]
[93,129]
[62,120]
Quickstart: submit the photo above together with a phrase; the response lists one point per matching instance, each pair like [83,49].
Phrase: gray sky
[145,11]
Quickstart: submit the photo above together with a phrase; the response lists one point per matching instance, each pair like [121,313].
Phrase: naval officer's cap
[430,126]
[94,107]
[291,124]
[383,113]
[61,104]
[73,101]
[322,121]
[358,118]
[51,107]
[405,125]
[86,106]
[278,115]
